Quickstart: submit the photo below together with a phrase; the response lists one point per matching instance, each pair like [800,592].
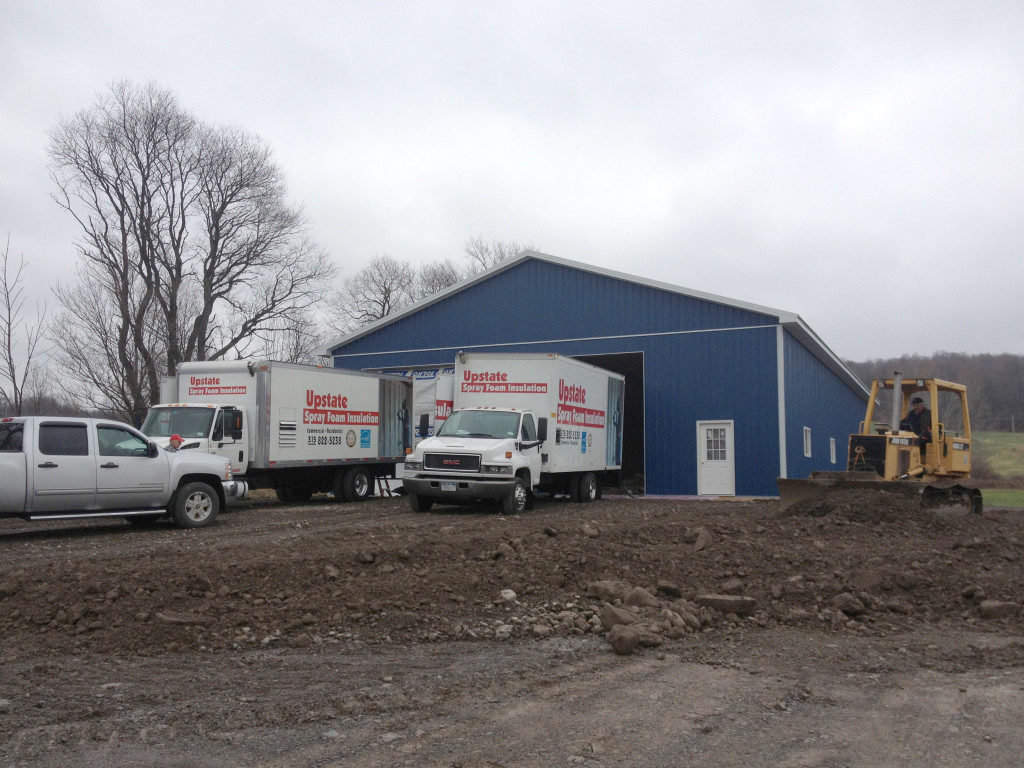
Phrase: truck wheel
[587,488]
[574,489]
[419,503]
[356,485]
[195,505]
[515,502]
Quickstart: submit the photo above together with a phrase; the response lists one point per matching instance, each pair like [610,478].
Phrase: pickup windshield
[495,424]
[187,422]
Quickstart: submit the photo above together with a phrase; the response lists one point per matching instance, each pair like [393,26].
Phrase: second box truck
[520,423]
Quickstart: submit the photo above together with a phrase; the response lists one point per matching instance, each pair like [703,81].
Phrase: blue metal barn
[722,396]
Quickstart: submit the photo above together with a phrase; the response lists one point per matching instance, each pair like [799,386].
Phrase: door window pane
[115,441]
[11,437]
[63,440]
[715,443]
[529,428]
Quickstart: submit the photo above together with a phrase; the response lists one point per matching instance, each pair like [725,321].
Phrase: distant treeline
[995,383]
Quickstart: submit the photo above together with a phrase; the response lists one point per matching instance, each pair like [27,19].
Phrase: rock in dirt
[703,538]
[623,639]
[508,595]
[848,604]
[737,604]
[8,588]
[612,617]
[687,615]
[367,557]
[731,587]
[668,589]
[331,572]
[641,597]
[541,630]
[5,706]
[590,531]
[608,590]
[998,609]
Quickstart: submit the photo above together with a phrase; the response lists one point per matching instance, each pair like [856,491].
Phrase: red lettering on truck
[571,393]
[329,400]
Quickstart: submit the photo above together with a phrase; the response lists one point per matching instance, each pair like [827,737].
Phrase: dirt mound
[377,573]
[874,505]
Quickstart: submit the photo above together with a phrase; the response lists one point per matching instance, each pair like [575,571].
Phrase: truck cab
[219,429]
[479,453]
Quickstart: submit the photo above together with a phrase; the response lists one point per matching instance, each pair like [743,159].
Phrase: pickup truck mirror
[542,428]
[193,444]
[151,450]
[424,424]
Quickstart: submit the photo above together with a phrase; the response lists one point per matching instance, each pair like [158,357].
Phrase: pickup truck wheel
[356,485]
[195,505]
[588,488]
[515,502]
[419,503]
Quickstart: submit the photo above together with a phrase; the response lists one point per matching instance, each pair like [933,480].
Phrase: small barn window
[807,442]
[832,449]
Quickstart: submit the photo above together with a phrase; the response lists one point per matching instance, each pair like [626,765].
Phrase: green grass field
[1003,497]
[1003,451]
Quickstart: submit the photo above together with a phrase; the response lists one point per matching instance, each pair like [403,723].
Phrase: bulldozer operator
[918,420]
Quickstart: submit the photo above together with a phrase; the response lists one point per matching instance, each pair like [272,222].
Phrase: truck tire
[419,503]
[195,505]
[574,489]
[588,490]
[356,484]
[516,502]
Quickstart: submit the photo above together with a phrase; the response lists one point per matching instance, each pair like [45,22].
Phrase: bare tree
[378,289]
[187,239]
[435,276]
[484,255]
[298,343]
[21,357]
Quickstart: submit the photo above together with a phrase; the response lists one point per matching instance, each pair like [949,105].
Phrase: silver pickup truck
[55,467]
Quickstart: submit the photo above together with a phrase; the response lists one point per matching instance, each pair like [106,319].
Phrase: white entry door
[716,463]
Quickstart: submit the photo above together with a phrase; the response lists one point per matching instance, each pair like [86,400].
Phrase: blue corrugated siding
[816,398]
[705,374]
[539,301]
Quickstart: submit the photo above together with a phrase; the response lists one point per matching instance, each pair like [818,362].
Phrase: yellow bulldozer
[920,452]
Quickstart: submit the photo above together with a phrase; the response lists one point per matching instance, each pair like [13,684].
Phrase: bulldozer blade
[820,485]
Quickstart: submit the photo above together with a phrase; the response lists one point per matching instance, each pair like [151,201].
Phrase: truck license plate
[449,486]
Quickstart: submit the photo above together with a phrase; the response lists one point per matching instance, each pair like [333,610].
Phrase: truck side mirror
[152,451]
[424,424]
[542,428]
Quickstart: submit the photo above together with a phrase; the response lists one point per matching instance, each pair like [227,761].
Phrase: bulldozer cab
[944,442]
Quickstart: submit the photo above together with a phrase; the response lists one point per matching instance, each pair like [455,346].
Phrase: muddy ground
[867,632]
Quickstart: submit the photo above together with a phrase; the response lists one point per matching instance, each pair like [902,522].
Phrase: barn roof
[788,320]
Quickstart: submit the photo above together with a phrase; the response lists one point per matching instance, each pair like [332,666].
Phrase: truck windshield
[496,424]
[187,422]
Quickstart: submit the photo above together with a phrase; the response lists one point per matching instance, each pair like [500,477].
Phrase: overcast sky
[861,164]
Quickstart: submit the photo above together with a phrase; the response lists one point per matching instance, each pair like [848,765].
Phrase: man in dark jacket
[919,419]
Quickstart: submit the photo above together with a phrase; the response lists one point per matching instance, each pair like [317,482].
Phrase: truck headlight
[498,469]
[413,464]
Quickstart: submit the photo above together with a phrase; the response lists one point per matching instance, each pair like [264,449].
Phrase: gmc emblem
[452,462]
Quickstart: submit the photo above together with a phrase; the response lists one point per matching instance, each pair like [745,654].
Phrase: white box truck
[297,429]
[520,423]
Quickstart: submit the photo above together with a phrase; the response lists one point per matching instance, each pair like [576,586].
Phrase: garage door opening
[630,365]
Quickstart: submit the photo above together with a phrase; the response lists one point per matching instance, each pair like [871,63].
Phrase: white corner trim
[780,358]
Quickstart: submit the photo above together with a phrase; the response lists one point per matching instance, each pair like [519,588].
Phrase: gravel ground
[865,633]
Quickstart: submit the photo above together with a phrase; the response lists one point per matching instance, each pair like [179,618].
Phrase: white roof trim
[792,322]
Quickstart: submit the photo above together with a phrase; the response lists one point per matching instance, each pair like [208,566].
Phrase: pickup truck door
[63,468]
[13,472]
[127,477]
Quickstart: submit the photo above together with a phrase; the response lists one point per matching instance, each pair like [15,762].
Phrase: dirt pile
[376,573]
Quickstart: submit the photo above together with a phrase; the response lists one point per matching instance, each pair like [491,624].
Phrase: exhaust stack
[897,401]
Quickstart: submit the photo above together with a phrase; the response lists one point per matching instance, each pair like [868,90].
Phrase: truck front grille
[867,450]
[457,462]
